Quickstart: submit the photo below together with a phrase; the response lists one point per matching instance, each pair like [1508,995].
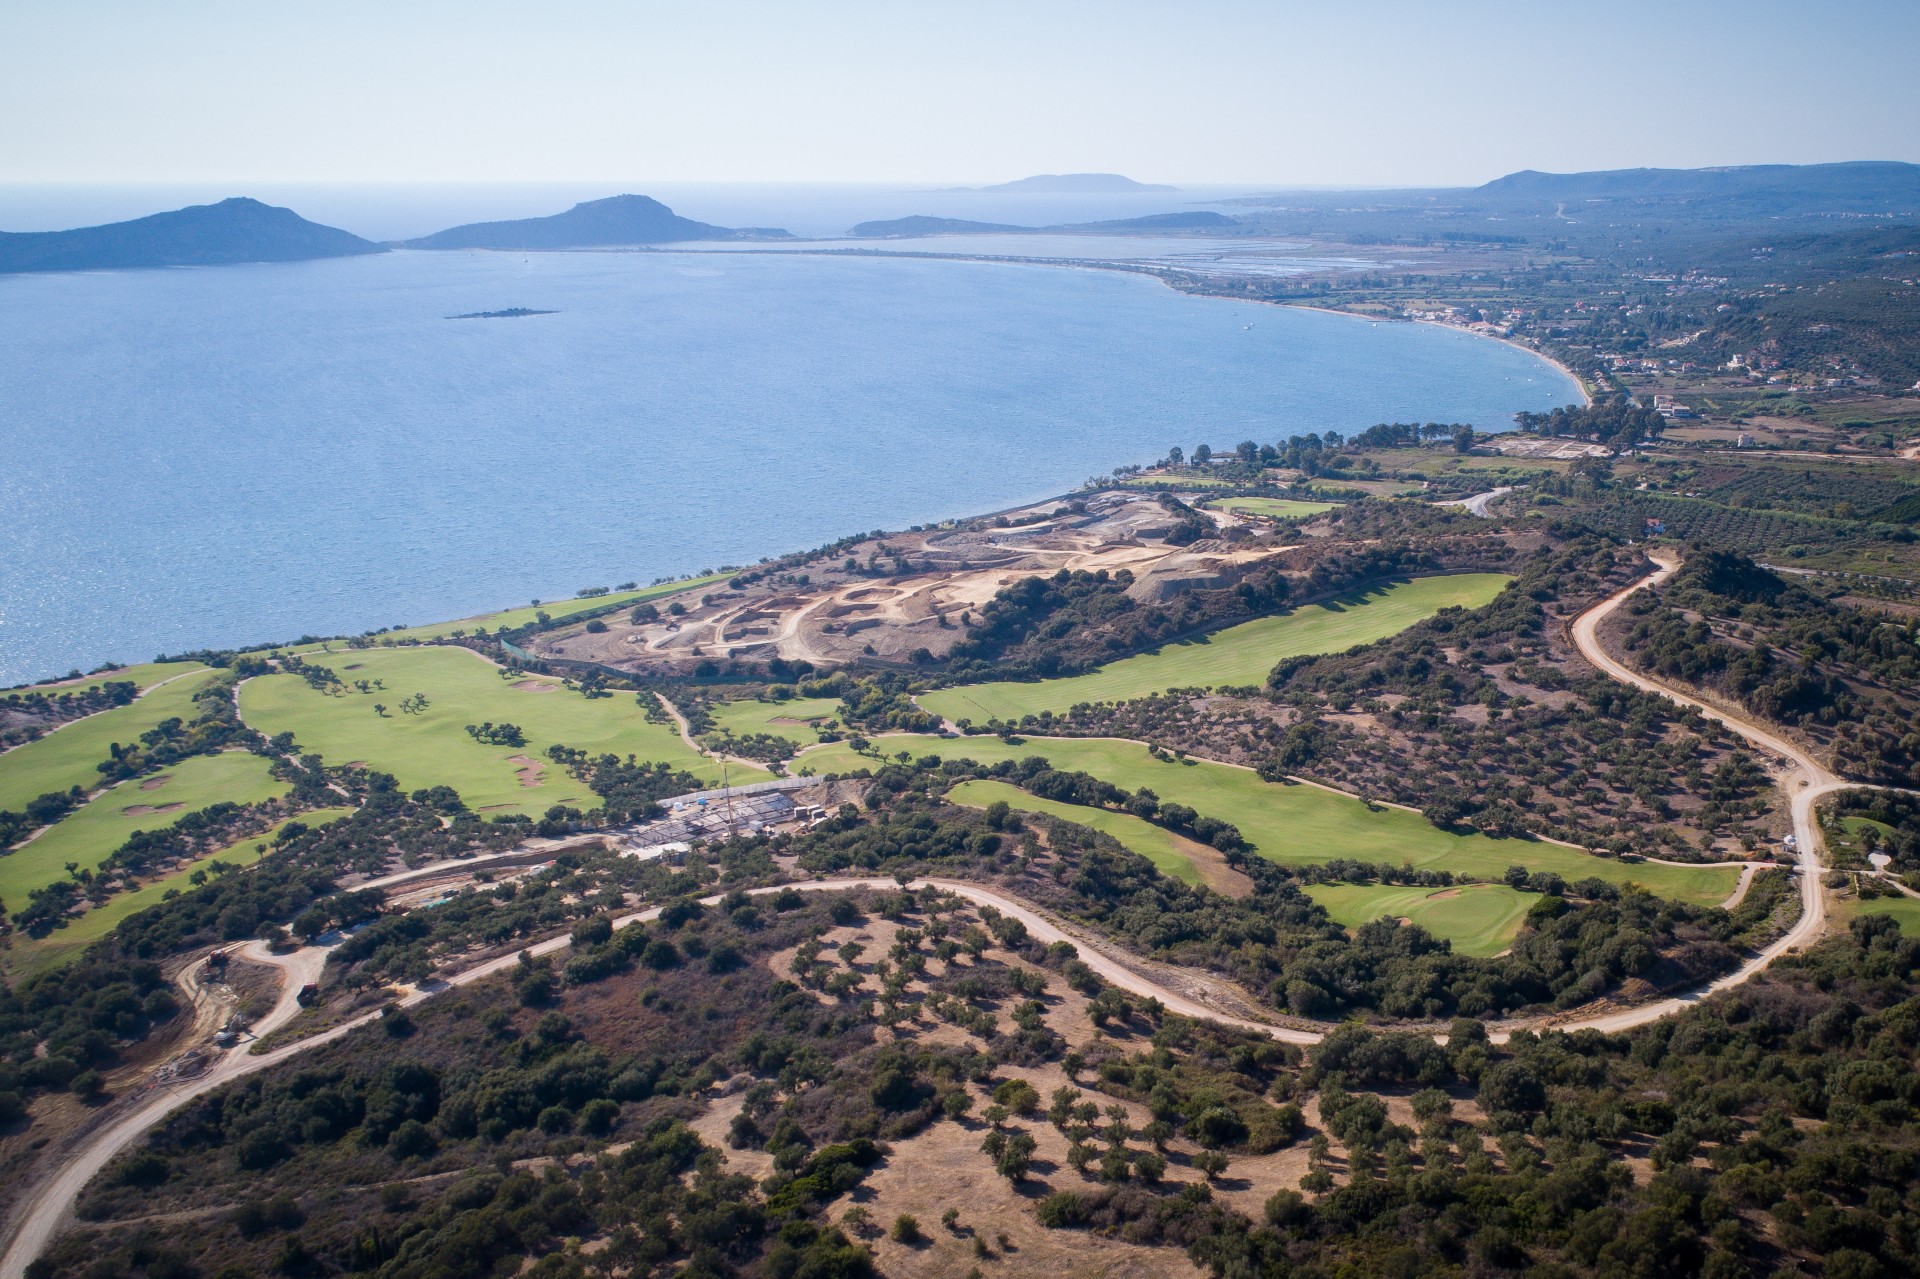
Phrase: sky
[1364,92]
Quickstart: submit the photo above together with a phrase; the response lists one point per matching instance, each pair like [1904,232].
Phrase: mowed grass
[1273,508]
[434,749]
[29,957]
[1170,854]
[792,719]
[71,754]
[143,676]
[558,610]
[1242,654]
[88,834]
[1298,825]
[1479,919]
[1903,908]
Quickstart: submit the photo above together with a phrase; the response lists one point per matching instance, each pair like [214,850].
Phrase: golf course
[31,955]
[1479,919]
[1272,508]
[71,754]
[792,719]
[1237,655]
[1295,824]
[87,835]
[431,746]
[1172,855]
[557,610]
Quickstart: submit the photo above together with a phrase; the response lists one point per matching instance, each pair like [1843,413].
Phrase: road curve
[46,1212]
[1805,782]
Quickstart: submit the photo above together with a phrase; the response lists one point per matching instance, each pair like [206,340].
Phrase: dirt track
[48,1210]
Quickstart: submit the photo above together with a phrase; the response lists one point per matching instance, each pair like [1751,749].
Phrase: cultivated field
[1240,654]
[69,756]
[1299,825]
[89,834]
[433,748]
[1479,919]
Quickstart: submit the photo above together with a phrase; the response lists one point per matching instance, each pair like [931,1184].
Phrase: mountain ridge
[233,231]
[606,223]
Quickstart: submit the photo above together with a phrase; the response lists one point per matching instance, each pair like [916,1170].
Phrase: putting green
[1297,825]
[1242,654]
[30,957]
[793,719]
[1170,854]
[88,834]
[1479,919]
[70,755]
[1273,508]
[432,748]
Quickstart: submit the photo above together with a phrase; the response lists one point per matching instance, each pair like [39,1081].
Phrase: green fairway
[32,956]
[1479,919]
[1298,825]
[143,675]
[1242,654]
[1274,508]
[558,610]
[792,719]
[1168,852]
[432,748]
[70,755]
[1903,908]
[1177,481]
[89,834]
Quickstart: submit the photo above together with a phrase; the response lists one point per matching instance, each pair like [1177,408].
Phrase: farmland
[431,747]
[1238,655]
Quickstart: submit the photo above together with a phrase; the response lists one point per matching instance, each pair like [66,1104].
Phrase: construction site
[885,598]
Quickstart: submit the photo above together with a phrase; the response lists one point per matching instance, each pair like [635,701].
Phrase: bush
[906,1229]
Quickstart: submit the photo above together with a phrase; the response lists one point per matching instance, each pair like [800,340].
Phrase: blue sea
[224,456]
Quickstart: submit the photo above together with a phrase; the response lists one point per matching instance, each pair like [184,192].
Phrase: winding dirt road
[48,1210]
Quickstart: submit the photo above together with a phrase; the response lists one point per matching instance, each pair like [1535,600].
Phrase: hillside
[920,224]
[1864,186]
[235,230]
[616,220]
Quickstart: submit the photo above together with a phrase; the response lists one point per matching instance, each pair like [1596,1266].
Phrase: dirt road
[1806,781]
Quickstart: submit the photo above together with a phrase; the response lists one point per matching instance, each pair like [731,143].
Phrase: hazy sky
[1356,92]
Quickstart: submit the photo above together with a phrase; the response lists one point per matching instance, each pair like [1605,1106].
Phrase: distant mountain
[237,230]
[616,220]
[1859,186]
[1075,184]
[921,225]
